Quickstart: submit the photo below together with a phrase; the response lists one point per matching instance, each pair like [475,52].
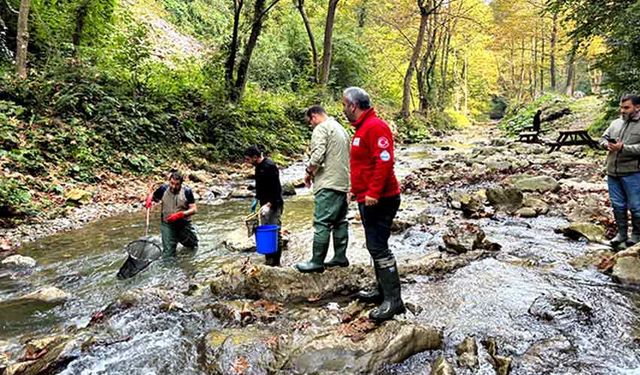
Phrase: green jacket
[627,160]
[330,147]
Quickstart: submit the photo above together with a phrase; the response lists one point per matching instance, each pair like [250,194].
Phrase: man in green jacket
[328,170]
[622,140]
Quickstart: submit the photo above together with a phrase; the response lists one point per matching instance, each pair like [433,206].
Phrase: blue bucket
[267,239]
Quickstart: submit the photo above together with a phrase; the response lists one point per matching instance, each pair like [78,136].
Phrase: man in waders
[622,140]
[268,195]
[328,169]
[178,205]
[376,189]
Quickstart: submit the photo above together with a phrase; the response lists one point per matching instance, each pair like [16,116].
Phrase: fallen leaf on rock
[357,329]
[606,264]
[240,365]
[97,318]
[34,356]
[301,325]
[269,307]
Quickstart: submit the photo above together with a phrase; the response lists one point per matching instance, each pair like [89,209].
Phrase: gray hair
[357,96]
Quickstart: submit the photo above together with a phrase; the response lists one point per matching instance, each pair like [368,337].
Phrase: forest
[133,85]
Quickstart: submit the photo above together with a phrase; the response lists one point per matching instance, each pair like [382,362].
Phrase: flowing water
[545,309]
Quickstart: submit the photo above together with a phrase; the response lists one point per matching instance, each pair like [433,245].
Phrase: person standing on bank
[622,140]
[178,205]
[376,189]
[268,195]
[328,169]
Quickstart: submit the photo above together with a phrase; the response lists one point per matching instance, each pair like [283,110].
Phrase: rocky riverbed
[503,260]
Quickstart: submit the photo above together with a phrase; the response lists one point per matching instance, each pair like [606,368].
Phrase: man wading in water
[178,205]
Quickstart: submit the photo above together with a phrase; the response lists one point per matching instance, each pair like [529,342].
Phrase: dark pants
[377,222]
[181,232]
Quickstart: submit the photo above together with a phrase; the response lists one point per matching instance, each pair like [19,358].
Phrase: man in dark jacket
[376,189]
[269,196]
[622,140]
[178,205]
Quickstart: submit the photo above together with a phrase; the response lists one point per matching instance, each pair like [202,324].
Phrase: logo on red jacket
[383,142]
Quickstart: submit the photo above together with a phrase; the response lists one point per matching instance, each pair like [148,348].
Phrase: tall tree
[235,89]
[552,53]
[22,39]
[327,45]
[312,41]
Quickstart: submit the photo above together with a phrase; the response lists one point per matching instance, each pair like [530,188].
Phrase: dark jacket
[268,188]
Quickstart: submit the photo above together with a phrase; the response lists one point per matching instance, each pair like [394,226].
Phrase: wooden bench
[528,137]
[573,138]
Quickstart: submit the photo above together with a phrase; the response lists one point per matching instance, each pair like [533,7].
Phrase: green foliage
[15,199]
[520,115]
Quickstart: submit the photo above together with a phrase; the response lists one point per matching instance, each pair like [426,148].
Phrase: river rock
[441,367]
[78,196]
[507,199]
[240,351]
[561,308]
[501,365]
[526,212]
[539,184]
[241,193]
[338,352]
[627,266]
[44,355]
[288,189]
[538,205]
[466,237]
[590,231]
[47,295]
[244,279]
[498,163]
[18,261]
[471,205]
[238,241]
[467,353]
[200,176]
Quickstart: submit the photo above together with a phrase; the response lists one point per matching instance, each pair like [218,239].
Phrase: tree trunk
[417,49]
[312,41]
[328,35]
[571,68]
[22,39]
[81,15]
[542,61]
[243,65]
[230,63]
[552,53]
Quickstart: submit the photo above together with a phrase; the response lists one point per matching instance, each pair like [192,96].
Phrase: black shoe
[336,263]
[370,296]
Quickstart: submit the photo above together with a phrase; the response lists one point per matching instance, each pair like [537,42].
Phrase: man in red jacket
[376,189]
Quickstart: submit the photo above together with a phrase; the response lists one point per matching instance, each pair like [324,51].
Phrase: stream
[539,297]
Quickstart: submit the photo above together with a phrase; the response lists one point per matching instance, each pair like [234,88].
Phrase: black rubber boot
[340,244]
[635,231]
[273,260]
[372,296]
[392,303]
[618,242]
[316,264]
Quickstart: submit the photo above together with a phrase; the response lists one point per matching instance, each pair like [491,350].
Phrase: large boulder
[471,204]
[467,353]
[466,237]
[341,352]
[18,261]
[540,184]
[506,199]
[244,279]
[627,266]
[538,205]
[288,189]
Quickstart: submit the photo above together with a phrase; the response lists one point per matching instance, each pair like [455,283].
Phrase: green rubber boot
[316,264]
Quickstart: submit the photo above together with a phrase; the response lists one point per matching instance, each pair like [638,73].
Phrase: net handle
[146,226]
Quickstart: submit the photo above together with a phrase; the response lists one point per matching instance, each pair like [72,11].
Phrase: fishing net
[252,223]
[141,252]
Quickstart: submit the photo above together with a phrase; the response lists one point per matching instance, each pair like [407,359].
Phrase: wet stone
[442,367]
[18,261]
[561,309]
[590,231]
[465,237]
[467,353]
[626,269]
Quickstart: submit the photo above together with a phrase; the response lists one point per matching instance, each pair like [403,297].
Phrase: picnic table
[576,137]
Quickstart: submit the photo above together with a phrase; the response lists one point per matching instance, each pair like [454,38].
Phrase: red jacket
[372,159]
